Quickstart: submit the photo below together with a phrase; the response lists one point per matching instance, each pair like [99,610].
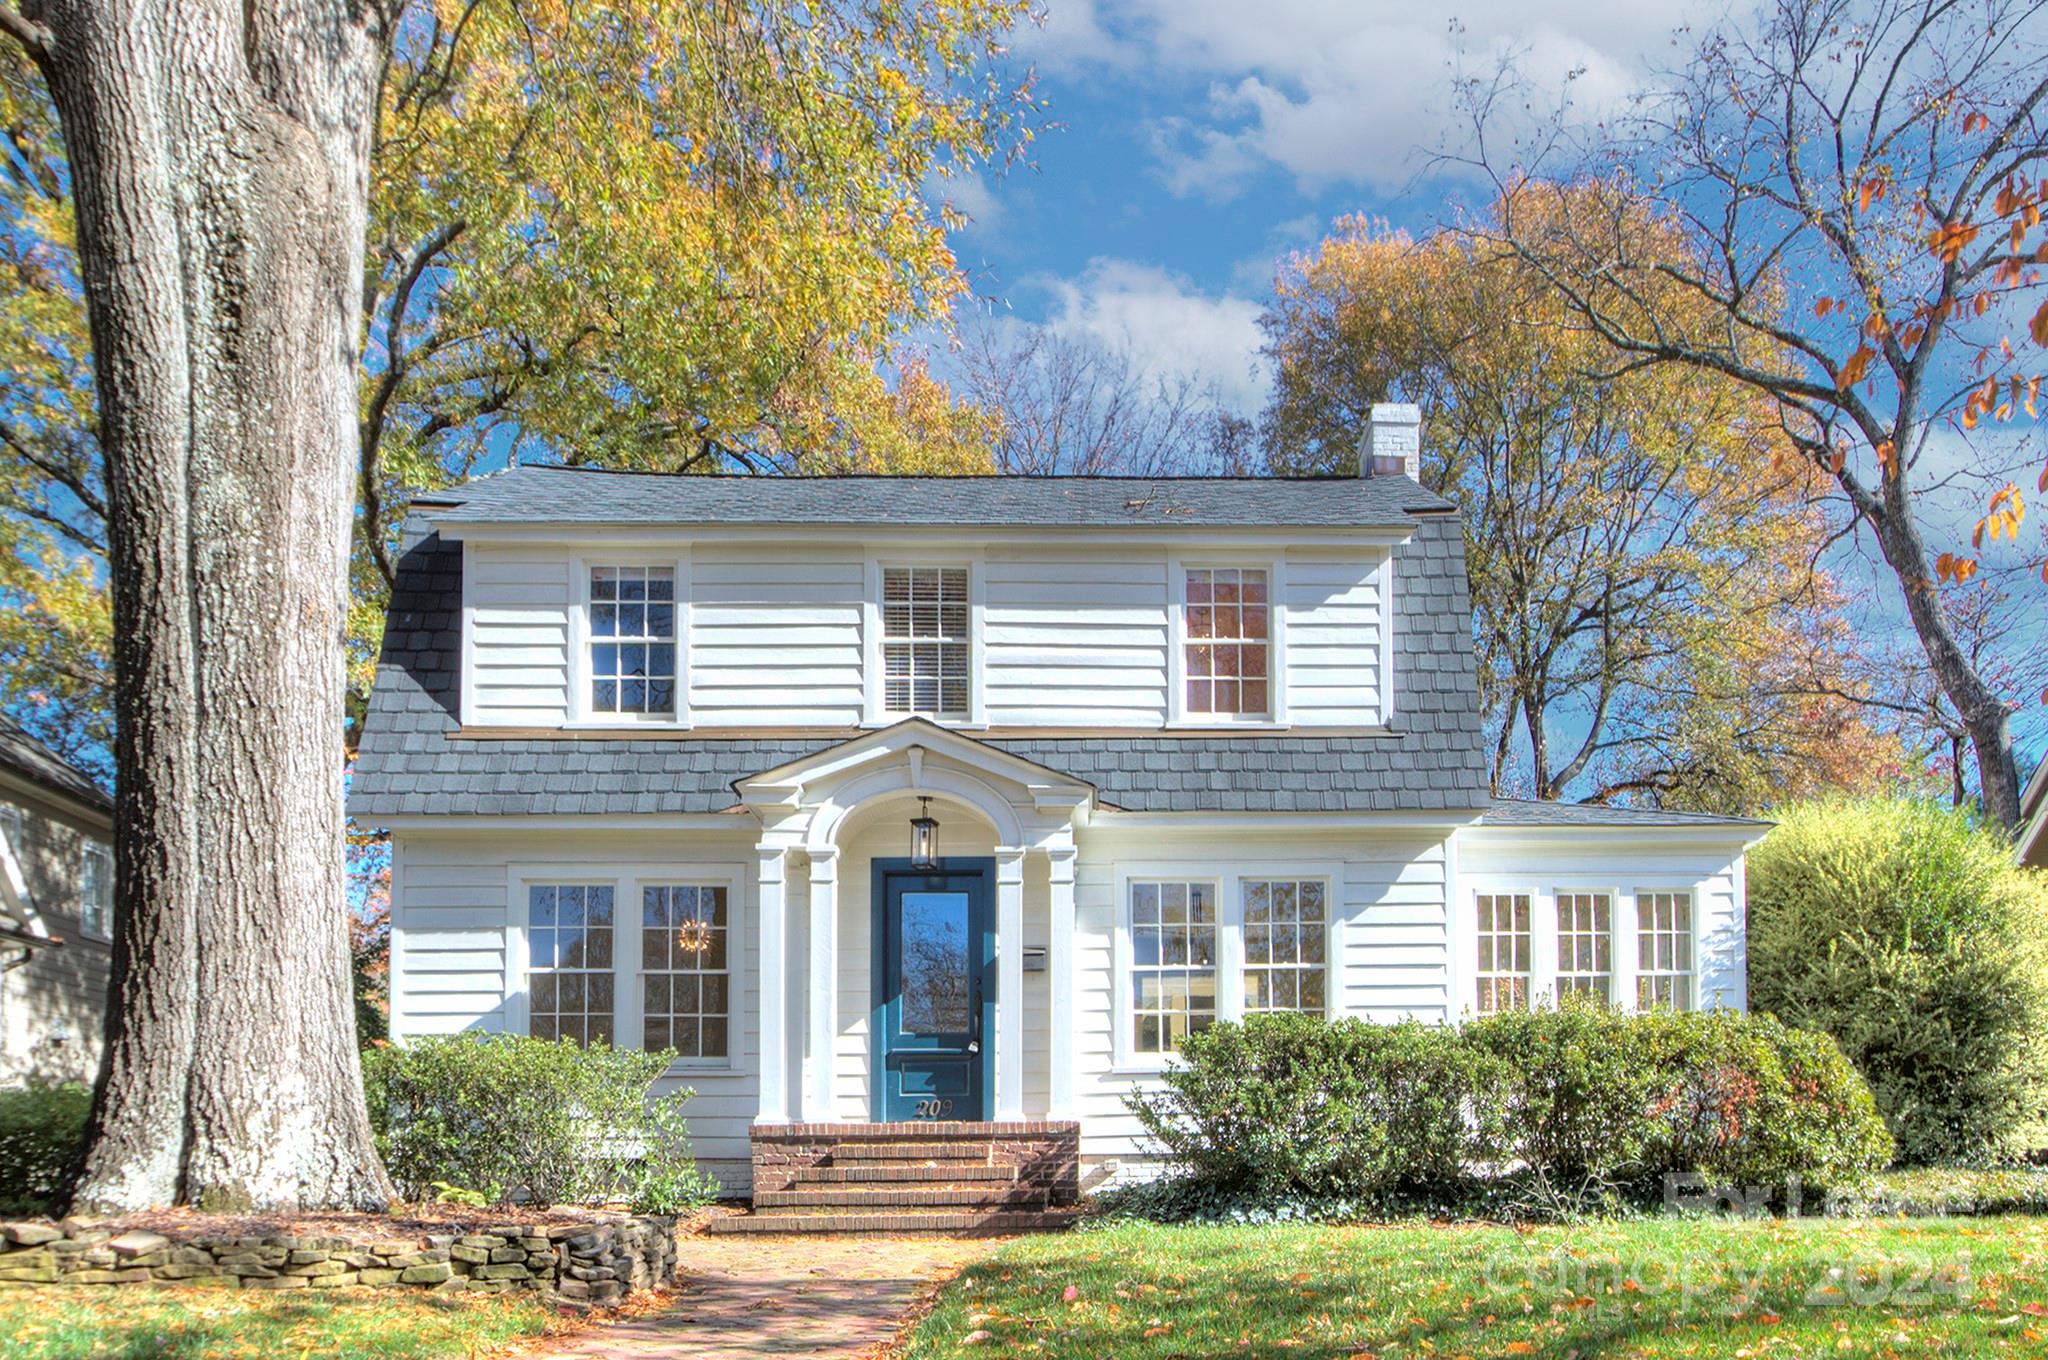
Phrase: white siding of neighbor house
[1070,637]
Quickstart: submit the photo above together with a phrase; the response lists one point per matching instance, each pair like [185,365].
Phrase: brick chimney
[1393,441]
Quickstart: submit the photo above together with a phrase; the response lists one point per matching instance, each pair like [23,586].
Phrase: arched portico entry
[842,921]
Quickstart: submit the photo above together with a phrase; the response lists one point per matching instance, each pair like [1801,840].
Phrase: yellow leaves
[2003,516]
[1949,240]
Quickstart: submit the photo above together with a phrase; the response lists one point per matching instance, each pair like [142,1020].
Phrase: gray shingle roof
[34,761]
[1528,812]
[411,762]
[544,493]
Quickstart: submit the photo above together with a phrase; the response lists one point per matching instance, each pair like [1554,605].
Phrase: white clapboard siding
[450,921]
[1075,638]
[1334,616]
[518,602]
[1390,935]
[775,639]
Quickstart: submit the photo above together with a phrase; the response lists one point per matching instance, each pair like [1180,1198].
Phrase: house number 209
[934,1109]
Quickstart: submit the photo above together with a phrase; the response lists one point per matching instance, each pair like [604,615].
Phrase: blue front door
[933,1015]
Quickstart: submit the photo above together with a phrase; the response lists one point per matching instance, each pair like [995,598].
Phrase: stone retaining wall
[580,1264]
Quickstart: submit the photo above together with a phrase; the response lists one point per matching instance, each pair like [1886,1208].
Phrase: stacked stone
[602,1264]
[585,1263]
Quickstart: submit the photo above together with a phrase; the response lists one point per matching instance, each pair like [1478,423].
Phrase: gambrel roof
[414,760]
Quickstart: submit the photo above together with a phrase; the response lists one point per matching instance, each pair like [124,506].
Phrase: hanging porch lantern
[924,837]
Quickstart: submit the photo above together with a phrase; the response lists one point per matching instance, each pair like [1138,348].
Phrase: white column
[1059,963]
[823,1002]
[1009,983]
[773,993]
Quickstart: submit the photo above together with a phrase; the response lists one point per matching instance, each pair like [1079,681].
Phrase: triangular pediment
[911,740]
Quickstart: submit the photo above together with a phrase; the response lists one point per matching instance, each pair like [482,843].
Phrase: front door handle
[974,1045]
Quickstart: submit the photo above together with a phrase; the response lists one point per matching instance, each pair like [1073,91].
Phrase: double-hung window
[1664,954]
[1227,652]
[96,889]
[1585,945]
[1504,952]
[1173,962]
[927,642]
[569,991]
[1286,937]
[686,969]
[632,642]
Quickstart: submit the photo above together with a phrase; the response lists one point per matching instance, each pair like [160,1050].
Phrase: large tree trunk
[221,151]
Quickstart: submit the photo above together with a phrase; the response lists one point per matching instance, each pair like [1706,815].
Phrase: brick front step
[916,1152]
[902,1197]
[892,1173]
[965,1222]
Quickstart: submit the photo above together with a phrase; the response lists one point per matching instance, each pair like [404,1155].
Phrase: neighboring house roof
[413,762]
[547,494]
[1529,812]
[2033,843]
[37,763]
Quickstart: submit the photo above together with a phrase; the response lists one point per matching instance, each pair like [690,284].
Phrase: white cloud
[1169,326]
[1343,91]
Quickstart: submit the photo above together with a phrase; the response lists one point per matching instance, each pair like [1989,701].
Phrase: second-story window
[1227,620]
[632,641]
[926,644]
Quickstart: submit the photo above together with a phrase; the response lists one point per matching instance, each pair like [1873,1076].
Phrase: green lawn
[181,1324]
[1964,1287]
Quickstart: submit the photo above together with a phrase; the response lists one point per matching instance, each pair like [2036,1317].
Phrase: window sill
[624,724]
[1226,724]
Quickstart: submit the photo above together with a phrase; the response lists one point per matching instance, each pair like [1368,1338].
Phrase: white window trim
[1386,638]
[579,710]
[1177,568]
[105,852]
[873,711]
[1227,877]
[628,997]
[1543,935]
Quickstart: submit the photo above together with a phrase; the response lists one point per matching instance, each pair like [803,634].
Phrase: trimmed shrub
[1289,1105]
[1549,1112]
[42,1139]
[498,1118]
[1907,932]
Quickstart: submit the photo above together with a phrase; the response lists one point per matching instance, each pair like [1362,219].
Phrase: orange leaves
[2038,327]
[1823,306]
[1949,240]
[1854,367]
[1870,191]
[1950,567]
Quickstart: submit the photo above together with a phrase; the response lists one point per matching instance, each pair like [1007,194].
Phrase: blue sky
[1198,142]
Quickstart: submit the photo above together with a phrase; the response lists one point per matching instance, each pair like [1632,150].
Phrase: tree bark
[220,150]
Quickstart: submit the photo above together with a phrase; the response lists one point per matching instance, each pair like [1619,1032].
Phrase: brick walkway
[748,1296]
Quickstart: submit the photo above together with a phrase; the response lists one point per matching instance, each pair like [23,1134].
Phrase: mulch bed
[404,1220]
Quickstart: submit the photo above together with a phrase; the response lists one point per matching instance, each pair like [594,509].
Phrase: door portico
[826,821]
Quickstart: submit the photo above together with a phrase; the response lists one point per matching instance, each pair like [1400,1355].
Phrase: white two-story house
[960,801]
